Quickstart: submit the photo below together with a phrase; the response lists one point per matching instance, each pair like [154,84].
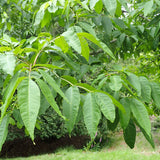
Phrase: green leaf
[115,83]
[86,87]
[141,28]
[134,80]
[141,115]
[97,42]
[46,35]
[4,49]
[70,109]
[9,92]
[7,38]
[145,89]
[126,84]
[7,62]
[92,3]
[119,23]
[148,7]
[40,13]
[155,93]
[122,38]
[125,117]
[72,39]
[113,126]
[148,138]
[8,85]
[99,6]
[152,31]
[84,48]
[39,17]
[107,50]
[4,130]
[61,42]
[106,105]
[44,105]
[102,82]
[107,25]
[69,79]
[111,6]
[124,3]
[118,9]
[48,95]
[17,116]
[99,77]
[128,43]
[1,82]
[130,134]
[29,104]
[46,19]
[50,66]
[88,28]
[158,2]
[53,6]
[20,67]
[68,60]
[115,102]
[52,83]
[91,113]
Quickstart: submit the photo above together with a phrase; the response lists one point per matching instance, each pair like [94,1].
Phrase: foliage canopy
[63,54]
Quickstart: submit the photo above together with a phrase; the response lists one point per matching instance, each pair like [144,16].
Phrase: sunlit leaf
[140,113]
[97,42]
[70,109]
[88,28]
[48,95]
[9,92]
[4,130]
[111,6]
[155,93]
[7,62]
[84,48]
[29,104]
[145,89]
[106,105]
[99,6]
[115,83]
[72,39]
[52,83]
[92,3]
[148,7]
[61,42]
[91,113]
[134,80]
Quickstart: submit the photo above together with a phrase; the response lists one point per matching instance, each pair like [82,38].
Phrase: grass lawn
[66,154]
[116,149]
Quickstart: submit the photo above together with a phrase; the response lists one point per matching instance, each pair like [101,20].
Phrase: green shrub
[49,125]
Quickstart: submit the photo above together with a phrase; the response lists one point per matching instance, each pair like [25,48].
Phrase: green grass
[116,149]
[98,155]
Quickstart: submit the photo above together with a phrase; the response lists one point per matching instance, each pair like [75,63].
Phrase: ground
[25,147]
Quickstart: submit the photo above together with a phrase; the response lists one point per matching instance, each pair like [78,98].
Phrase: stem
[42,50]
[23,61]
[68,81]
[30,69]
[37,56]
[85,89]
